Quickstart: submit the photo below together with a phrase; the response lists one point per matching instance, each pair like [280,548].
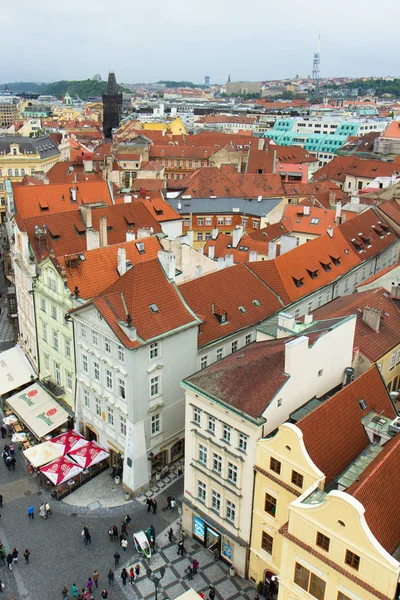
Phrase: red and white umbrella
[70,439]
[88,455]
[61,470]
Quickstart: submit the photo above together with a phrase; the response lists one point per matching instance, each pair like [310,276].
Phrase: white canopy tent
[15,370]
[41,454]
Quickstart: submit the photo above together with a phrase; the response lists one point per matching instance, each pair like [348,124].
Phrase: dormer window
[378,231]
[220,314]
[336,260]
[14,152]
[326,265]
[313,274]
[298,281]
[366,239]
[358,245]
[154,308]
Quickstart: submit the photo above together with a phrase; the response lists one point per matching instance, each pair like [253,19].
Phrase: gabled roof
[160,209]
[206,182]
[340,166]
[367,234]
[229,290]
[158,151]
[241,254]
[56,197]
[70,172]
[308,220]
[96,270]
[378,490]
[392,131]
[333,433]
[254,185]
[149,298]
[391,209]
[373,344]
[270,232]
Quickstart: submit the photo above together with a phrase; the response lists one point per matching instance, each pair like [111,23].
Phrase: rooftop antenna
[315,95]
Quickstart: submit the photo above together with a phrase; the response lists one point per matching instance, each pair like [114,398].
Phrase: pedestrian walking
[104,594]
[211,592]
[96,579]
[189,571]
[8,462]
[42,511]
[152,545]
[132,575]
[3,431]
[9,560]
[64,592]
[89,584]
[111,534]
[31,511]
[15,556]
[168,507]
[195,565]
[3,554]
[13,462]
[152,531]
[149,503]
[154,506]
[124,544]
[86,536]
[170,534]
[4,454]
[123,528]
[256,597]
[181,547]
[47,509]
[137,570]
[121,537]
[1,501]
[127,520]
[173,504]
[180,470]
[124,575]
[2,586]
[74,590]
[110,576]
[117,557]
[11,449]
[115,532]
[27,554]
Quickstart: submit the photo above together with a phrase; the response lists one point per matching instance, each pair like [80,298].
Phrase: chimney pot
[103,232]
[121,261]
[372,317]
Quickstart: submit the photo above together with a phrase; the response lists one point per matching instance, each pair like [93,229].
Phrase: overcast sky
[148,40]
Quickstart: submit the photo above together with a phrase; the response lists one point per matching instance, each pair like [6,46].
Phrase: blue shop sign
[227,551]
[198,528]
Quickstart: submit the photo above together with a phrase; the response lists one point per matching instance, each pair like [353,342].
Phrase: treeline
[83,89]
[179,84]
[380,86]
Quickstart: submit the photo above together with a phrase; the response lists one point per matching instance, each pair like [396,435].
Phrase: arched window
[16,173]
[22,172]
[10,172]
[14,151]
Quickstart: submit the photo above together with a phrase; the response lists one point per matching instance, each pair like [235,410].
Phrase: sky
[149,40]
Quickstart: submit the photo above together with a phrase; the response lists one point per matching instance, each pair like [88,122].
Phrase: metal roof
[43,145]
[209,206]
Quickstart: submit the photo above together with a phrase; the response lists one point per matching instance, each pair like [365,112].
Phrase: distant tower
[207,81]
[316,61]
[112,107]
[229,78]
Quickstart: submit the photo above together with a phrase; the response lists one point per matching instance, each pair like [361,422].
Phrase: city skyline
[183,39]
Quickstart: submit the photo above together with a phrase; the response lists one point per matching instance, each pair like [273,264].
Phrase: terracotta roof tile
[367,234]
[241,254]
[392,131]
[313,220]
[160,209]
[340,166]
[70,171]
[333,433]
[206,182]
[254,185]
[158,151]
[269,233]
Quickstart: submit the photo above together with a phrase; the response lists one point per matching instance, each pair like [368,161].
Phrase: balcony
[54,390]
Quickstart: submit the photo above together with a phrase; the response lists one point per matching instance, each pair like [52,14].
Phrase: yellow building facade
[175,127]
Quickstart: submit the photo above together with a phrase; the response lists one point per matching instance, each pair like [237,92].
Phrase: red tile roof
[340,166]
[144,285]
[367,234]
[241,254]
[98,270]
[127,157]
[378,490]
[372,344]
[269,233]
[206,182]
[32,201]
[70,171]
[312,220]
[333,433]
[392,131]
[391,209]
[181,152]
[160,209]
[215,290]
[151,185]
[254,185]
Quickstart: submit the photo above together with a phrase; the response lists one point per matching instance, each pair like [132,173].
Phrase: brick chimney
[103,232]
[372,317]
[395,290]
[92,239]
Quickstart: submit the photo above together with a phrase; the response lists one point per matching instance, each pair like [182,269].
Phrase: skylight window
[363,404]
[242,309]
[154,308]
[256,303]
[314,221]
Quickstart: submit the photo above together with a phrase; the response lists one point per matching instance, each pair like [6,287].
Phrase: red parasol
[89,454]
[69,439]
[60,470]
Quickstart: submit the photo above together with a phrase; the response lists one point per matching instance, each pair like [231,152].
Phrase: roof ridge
[379,459]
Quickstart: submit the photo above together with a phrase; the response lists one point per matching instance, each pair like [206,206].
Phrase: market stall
[15,371]
[69,440]
[89,455]
[41,454]
[61,471]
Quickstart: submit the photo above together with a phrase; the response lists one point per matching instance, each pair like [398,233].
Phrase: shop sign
[227,551]
[198,528]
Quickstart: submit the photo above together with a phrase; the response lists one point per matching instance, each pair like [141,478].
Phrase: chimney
[168,263]
[143,193]
[395,290]
[229,260]
[237,234]
[287,243]
[92,239]
[221,264]
[329,231]
[130,236]
[274,164]
[285,322]
[86,212]
[332,199]
[211,252]
[261,143]
[103,232]
[73,194]
[295,354]
[214,233]
[252,256]
[306,210]
[127,199]
[143,232]
[338,216]
[372,317]
[271,250]
[308,319]
[121,261]
[88,165]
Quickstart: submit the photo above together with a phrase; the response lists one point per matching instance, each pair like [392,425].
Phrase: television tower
[316,61]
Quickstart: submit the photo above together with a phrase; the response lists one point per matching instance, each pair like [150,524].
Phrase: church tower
[112,107]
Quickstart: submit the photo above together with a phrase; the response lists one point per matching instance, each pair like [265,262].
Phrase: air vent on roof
[394,426]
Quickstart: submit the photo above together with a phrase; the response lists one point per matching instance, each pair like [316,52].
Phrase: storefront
[167,454]
[213,539]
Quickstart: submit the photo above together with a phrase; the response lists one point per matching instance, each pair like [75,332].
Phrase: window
[153,350]
[244,222]
[85,367]
[46,362]
[67,344]
[44,331]
[217,463]
[230,511]
[122,425]
[226,434]
[211,424]
[267,542]
[270,505]
[216,501]
[228,220]
[110,415]
[86,398]
[121,353]
[362,403]
[398,357]
[200,221]
[55,340]
[16,172]
[323,541]
[247,339]
[107,346]
[43,304]
[22,172]
[196,416]
[95,338]
[155,424]
[96,371]
[208,221]
[342,596]
[320,372]
[255,224]
[53,312]
[220,353]
[98,406]
[201,491]
[301,576]
[155,386]
[232,473]
[392,360]
[220,221]
[234,346]
[121,388]
[352,560]
[275,465]
[57,373]
[83,332]
[109,379]
[199,237]
[297,479]
[202,454]
[203,362]
[68,380]
[243,442]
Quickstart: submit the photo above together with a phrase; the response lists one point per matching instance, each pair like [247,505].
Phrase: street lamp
[154,579]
